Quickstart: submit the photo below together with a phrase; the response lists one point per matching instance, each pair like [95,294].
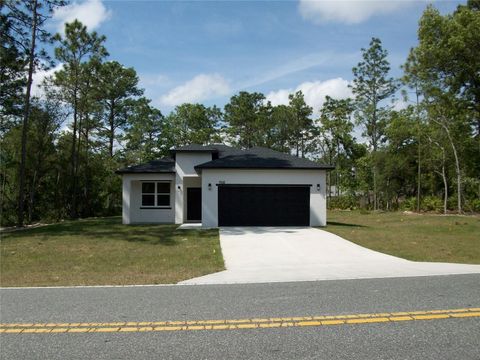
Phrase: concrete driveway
[272,254]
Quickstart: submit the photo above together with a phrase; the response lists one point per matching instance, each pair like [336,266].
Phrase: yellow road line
[470,314]
[233,324]
[401,318]
[431,317]
[367,320]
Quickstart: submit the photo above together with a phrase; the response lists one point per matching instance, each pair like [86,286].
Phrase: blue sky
[206,51]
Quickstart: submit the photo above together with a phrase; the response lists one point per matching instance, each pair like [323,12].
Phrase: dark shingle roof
[261,158]
[220,149]
[164,165]
[225,150]
[195,147]
[230,158]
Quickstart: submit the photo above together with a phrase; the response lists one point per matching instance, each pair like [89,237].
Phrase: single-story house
[217,185]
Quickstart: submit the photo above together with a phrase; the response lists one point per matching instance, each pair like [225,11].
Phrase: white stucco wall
[318,205]
[185,163]
[132,213]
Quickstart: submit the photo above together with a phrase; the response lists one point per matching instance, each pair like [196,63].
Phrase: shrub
[452,202]
[343,203]
[409,204]
[431,203]
[468,205]
[472,205]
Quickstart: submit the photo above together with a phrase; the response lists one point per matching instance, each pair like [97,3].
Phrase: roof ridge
[262,158]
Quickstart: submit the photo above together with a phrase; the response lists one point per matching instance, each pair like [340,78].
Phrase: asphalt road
[457,338]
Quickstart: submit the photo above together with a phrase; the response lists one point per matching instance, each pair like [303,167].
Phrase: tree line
[59,150]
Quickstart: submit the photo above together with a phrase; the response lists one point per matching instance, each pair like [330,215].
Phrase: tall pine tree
[371,87]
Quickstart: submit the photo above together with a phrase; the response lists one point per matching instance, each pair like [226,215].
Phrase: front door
[194,204]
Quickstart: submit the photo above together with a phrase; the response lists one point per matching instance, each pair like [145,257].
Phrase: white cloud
[201,87]
[279,97]
[314,92]
[348,11]
[91,13]
[39,76]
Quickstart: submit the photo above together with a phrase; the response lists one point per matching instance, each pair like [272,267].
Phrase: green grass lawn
[419,237]
[103,251]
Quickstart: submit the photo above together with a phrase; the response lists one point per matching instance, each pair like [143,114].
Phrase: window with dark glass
[156,194]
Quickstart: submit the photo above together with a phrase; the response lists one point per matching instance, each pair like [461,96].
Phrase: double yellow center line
[235,324]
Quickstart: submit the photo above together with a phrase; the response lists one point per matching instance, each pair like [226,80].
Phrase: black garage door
[264,205]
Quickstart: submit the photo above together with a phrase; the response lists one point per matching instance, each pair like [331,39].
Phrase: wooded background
[58,152]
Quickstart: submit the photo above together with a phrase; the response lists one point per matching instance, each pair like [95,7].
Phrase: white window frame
[155,194]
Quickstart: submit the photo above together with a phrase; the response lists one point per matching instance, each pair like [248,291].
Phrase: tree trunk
[297,135]
[42,133]
[32,196]
[56,197]
[73,174]
[330,178]
[443,175]
[445,186]
[419,169]
[418,178]
[303,145]
[459,182]
[111,120]
[457,168]
[77,162]
[388,194]
[26,115]
[87,174]
[375,203]
[336,170]
[374,144]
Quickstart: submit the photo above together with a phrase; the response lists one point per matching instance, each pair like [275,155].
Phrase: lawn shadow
[113,229]
[334,223]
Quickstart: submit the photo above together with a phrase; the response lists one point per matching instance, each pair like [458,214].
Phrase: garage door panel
[263,205]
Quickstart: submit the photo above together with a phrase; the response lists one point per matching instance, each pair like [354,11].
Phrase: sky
[207,51]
